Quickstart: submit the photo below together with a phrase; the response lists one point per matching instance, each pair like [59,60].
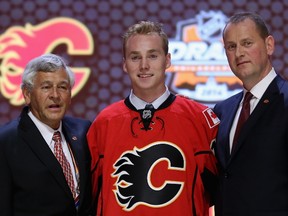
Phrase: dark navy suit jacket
[254,178]
[31,181]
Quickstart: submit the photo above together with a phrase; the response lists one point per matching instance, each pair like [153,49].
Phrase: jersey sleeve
[205,129]
[205,158]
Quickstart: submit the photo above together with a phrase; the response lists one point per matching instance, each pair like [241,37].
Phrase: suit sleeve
[5,183]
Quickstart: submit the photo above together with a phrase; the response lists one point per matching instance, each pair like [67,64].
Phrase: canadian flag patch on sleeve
[211,117]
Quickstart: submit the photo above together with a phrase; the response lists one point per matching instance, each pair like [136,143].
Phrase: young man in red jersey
[151,152]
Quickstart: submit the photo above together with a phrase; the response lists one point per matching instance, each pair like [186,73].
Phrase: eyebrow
[243,39]
[149,51]
[50,82]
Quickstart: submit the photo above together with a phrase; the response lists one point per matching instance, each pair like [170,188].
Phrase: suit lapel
[225,127]
[269,96]
[33,138]
[73,139]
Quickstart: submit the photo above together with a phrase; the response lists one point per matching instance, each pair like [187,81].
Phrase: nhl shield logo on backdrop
[199,67]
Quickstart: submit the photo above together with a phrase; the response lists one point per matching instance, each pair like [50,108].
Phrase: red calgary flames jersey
[157,169]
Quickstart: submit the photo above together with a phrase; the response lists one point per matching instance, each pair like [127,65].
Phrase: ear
[168,60]
[124,66]
[270,45]
[27,95]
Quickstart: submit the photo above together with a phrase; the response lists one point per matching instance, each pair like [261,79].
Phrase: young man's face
[145,62]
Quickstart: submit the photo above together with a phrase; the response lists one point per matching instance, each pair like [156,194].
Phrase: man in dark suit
[32,181]
[254,173]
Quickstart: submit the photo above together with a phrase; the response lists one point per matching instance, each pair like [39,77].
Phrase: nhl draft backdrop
[88,34]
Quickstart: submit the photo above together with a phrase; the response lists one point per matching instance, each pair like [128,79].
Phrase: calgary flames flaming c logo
[18,45]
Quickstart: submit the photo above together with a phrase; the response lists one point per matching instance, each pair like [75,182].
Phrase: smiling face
[145,62]
[50,97]
[247,52]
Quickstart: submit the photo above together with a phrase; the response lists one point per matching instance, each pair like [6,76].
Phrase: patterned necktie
[59,154]
[245,112]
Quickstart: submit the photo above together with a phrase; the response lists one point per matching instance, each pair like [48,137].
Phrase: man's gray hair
[44,63]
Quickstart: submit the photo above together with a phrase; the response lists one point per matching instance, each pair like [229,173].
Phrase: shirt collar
[140,104]
[46,131]
[259,89]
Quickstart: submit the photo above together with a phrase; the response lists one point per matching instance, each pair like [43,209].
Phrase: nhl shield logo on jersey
[146,114]
[135,183]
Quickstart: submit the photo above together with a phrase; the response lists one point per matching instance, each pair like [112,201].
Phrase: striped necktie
[59,154]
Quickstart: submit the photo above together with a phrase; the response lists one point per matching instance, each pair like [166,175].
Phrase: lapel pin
[266,101]
[74,138]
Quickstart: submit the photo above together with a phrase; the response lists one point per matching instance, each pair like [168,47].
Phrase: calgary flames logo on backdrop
[199,66]
[18,45]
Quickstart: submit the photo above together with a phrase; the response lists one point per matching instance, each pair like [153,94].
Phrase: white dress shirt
[257,91]
[47,133]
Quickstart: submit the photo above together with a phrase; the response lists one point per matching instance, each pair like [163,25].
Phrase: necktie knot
[149,107]
[56,136]
[248,96]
